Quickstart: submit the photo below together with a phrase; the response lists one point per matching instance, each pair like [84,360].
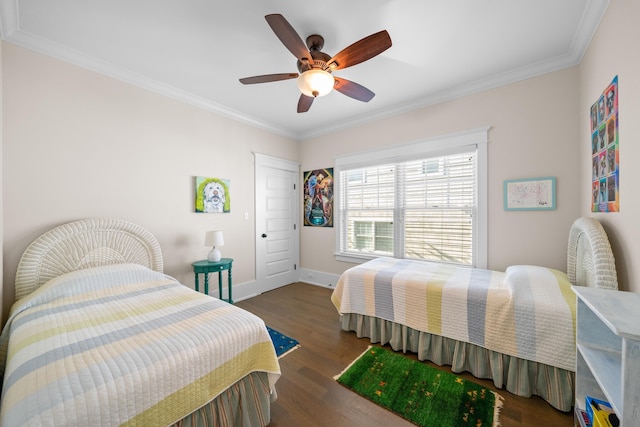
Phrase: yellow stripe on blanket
[567,293]
[202,391]
[435,286]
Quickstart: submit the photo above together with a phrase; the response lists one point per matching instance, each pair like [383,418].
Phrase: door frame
[263,160]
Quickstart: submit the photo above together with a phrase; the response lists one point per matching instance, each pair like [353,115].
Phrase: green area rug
[424,395]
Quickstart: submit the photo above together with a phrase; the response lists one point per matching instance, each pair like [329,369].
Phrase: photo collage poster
[605,151]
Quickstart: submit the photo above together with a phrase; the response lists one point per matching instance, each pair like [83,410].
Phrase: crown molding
[588,26]
[452,93]
[63,53]
[11,32]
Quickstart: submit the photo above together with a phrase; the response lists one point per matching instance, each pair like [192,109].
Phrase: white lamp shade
[315,82]
[214,238]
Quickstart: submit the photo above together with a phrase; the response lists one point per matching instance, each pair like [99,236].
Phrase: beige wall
[78,144]
[534,129]
[614,51]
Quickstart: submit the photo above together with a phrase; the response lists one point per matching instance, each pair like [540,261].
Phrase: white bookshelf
[608,350]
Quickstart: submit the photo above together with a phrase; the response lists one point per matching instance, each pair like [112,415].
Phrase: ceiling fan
[315,67]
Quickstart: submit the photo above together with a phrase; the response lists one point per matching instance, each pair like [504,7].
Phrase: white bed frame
[82,244]
[590,261]
[98,242]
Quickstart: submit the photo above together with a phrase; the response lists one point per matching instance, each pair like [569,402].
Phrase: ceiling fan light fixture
[315,82]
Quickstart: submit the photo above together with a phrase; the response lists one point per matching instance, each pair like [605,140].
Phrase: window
[372,236]
[424,201]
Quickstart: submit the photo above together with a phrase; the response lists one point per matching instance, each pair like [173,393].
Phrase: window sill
[353,258]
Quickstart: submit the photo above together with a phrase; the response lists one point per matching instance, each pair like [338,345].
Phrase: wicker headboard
[82,244]
[590,260]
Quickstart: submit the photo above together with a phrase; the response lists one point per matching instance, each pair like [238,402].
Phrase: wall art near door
[318,197]
[605,151]
[212,195]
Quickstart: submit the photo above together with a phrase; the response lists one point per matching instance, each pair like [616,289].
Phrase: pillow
[521,275]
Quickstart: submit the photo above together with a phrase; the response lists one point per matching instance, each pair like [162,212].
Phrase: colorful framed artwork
[605,151]
[530,194]
[318,197]
[212,195]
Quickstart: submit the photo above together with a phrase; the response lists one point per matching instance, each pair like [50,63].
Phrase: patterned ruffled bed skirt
[518,376]
[245,403]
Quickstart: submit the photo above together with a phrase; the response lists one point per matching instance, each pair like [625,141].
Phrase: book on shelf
[600,413]
[582,417]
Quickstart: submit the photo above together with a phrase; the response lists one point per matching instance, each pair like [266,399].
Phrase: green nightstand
[205,267]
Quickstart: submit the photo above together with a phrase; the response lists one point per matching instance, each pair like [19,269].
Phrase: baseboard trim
[246,290]
[240,291]
[318,278]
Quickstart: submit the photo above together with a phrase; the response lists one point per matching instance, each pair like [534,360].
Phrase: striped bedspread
[526,311]
[124,345]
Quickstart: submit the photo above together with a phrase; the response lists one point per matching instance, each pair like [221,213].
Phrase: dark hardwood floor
[307,393]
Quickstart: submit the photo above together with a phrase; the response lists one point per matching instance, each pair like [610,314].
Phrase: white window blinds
[420,200]
[437,208]
[368,200]
[418,209]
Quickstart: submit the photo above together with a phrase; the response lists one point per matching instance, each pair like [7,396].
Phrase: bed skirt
[245,403]
[518,376]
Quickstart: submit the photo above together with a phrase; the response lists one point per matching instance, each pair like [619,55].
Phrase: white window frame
[474,138]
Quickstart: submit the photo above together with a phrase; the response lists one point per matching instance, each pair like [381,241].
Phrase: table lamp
[214,238]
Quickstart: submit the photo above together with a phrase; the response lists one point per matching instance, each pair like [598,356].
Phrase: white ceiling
[196,50]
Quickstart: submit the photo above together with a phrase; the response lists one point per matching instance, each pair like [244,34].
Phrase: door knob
[263,235]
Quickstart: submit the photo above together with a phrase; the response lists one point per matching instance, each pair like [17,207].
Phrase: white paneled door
[277,236]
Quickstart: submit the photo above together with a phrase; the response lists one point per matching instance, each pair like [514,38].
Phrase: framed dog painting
[212,195]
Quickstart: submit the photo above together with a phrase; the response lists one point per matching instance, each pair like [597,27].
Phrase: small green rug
[424,395]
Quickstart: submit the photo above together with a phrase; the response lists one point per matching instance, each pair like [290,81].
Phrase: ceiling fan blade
[268,78]
[304,103]
[288,36]
[361,50]
[353,90]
